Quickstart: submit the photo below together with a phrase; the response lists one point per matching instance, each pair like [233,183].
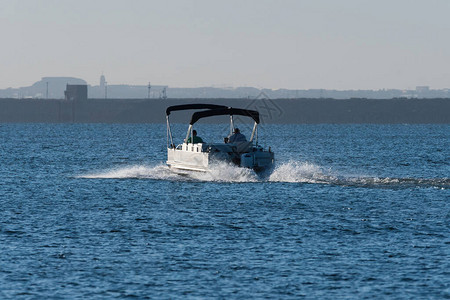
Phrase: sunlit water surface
[350,211]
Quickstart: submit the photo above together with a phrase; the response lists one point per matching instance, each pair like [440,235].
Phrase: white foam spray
[292,171]
[160,171]
[304,172]
[225,172]
[222,172]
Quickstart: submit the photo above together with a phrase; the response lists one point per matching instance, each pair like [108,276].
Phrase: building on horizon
[103,85]
[76,92]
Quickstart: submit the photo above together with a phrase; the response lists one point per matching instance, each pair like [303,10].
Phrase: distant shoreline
[276,111]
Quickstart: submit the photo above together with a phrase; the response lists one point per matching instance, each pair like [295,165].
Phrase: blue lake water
[350,211]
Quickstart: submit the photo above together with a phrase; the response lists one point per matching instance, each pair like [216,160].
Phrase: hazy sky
[296,44]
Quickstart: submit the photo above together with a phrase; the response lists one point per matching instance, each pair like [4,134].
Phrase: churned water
[350,211]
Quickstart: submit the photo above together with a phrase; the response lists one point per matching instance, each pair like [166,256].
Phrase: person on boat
[236,137]
[197,139]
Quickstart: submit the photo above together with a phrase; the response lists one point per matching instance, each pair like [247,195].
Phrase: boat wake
[159,172]
[302,172]
[219,173]
[289,172]
[311,173]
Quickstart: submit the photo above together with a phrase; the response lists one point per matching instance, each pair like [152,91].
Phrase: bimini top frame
[225,111]
[212,110]
[193,106]
[186,107]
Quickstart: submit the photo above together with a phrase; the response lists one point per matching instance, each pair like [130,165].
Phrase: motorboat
[200,156]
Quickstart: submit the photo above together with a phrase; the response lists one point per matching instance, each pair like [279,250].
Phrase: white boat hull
[189,157]
[198,157]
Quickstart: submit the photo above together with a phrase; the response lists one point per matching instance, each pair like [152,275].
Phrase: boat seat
[242,147]
[239,147]
[217,148]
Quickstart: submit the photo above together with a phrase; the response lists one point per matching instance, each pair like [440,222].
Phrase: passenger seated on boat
[237,137]
[197,139]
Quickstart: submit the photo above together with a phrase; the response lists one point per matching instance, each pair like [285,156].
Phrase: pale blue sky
[296,44]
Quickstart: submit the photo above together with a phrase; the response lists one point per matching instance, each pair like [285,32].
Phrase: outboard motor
[258,159]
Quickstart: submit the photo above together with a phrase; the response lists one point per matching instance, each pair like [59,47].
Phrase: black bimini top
[225,111]
[193,106]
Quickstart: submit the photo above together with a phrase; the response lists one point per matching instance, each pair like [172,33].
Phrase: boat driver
[197,139]
[237,137]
